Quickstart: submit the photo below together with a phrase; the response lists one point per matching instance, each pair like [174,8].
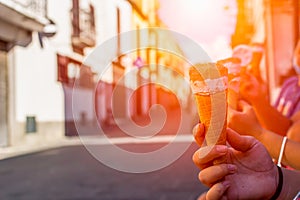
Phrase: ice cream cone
[233,66]
[203,97]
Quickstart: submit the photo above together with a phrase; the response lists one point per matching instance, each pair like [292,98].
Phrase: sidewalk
[28,148]
[9,152]
[115,135]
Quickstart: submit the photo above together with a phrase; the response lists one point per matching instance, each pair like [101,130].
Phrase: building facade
[275,25]
[19,21]
[282,34]
[43,57]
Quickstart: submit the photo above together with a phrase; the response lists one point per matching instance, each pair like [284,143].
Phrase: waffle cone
[205,114]
[204,104]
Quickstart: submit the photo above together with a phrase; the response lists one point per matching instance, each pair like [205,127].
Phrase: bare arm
[273,143]
[269,117]
[246,123]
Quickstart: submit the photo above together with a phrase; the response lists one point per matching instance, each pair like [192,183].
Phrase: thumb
[239,142]
[243,105]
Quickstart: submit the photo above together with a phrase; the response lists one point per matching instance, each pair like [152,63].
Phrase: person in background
[288,101]
[249,172]
[245,122]
[279,117]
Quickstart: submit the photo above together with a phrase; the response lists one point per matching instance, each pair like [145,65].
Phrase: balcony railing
[36,7]
[83,23]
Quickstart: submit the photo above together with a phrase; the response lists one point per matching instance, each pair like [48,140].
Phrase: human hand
[244,120]
[251,90]
[248,174]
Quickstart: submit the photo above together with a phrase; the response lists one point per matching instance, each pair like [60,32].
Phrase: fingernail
[222,149]
[232,168]
[226,184]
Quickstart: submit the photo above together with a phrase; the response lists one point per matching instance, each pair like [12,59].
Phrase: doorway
[3,99]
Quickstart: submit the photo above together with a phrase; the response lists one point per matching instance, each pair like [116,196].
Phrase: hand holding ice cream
[208,82]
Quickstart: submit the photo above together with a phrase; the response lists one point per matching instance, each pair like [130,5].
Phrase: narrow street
[72,173]
[92,92]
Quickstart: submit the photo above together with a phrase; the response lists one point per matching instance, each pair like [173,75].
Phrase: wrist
[278,184]
[258,133]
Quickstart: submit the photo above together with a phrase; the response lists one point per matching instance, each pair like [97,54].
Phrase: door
[3,99]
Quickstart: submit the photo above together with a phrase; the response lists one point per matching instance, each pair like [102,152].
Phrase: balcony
[18,19]
[83,24]
[70,70]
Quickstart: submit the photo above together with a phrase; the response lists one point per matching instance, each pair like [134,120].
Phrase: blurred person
[268,115]
[249,172]
[245,122]
[288,101]
[280,116]
[254,66]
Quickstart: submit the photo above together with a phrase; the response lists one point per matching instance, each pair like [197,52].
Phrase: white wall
[37,90]
[106,29]
[106,18]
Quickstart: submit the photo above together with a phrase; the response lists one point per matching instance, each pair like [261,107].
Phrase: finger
[217,191]
[243,105]
[215,173]
[199,133]
[204,156]
[233,117]
[239,142]
[231,112]
[247,83]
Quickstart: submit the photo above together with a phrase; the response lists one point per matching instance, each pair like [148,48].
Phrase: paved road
[71,173]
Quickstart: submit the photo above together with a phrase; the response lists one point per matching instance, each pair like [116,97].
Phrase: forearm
[291,154]
[273,143]
[291,184]
[271,119]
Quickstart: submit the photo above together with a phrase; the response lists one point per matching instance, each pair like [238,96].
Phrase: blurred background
[43,45]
